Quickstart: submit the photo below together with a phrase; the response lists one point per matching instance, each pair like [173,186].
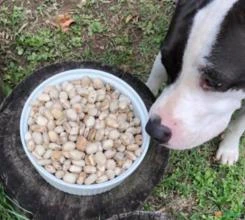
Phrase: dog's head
[210,84]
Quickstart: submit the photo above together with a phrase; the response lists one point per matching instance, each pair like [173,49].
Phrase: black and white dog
[203,59]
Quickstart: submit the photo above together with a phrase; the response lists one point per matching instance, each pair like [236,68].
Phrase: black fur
[228,55]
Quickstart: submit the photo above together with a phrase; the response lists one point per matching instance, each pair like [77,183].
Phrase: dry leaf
[128,18]
[218,214]
[63,21]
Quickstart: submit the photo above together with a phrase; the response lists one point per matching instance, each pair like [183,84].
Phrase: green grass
[126,34]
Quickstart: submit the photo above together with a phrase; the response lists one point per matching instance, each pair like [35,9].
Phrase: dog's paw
[227,154]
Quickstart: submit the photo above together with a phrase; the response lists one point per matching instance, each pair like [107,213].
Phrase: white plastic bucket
[124,88]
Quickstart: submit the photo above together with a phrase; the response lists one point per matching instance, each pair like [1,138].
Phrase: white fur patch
[158,75]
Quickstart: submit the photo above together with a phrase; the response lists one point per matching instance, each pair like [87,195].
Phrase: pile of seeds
[84,131]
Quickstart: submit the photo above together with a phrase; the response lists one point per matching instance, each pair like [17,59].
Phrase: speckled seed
[42,121]
[101,93]
[67,86]
[127,138]
[63,95]
[37,137]
[47,154]
[121,148]
[38,128]
[45,139]
[111,122]
[103,115]
[85,81]
[71,114]
[51,125]
[107,144]
[89,169]
[53,137]
[75,99]
[54,146]
[48,105]
[59,129]
[117,171]
[130,155]
[78,108]
[110,153]
[74,130]
[59,174]
[44,97]
[114,106]
[92,111]
[138,139]
[132,147]
[92,96]
[89,121]
[110,164]
[98,83]
[69,146]
[81,143]
[127,164]
[80,163]
[138,152]
[89,160]
[81,178]
[114,134]
[31,145]
[57,113]
[70,178]
[57,165]
[91,148]
[40,150]
[110,174]
[76,155]
[91,134]
[99,174]
[50,168]
[67,127]
[86,132]
[119,156]
[101,168]
[100,158]
[75,169]
[66,165]
[90,179]
[102,179]
[44,162]
[53,93]
[37,156]
[99,135]
[104,106]
[62,159]
[56,155]
[123,105]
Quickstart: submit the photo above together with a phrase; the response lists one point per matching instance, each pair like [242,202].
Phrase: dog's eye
[208,83]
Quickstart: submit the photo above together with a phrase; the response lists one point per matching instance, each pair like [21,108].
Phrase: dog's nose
[158,131]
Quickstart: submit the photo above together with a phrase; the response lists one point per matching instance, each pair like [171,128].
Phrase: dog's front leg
[158,75]
[228,151]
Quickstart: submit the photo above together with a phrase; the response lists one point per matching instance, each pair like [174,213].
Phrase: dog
[202,60]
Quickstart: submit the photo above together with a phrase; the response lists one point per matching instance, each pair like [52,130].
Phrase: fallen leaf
[128,18]
[218,214]
[63,21]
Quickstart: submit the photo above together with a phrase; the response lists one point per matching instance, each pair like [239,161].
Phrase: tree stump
[141,215]
[24,184]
